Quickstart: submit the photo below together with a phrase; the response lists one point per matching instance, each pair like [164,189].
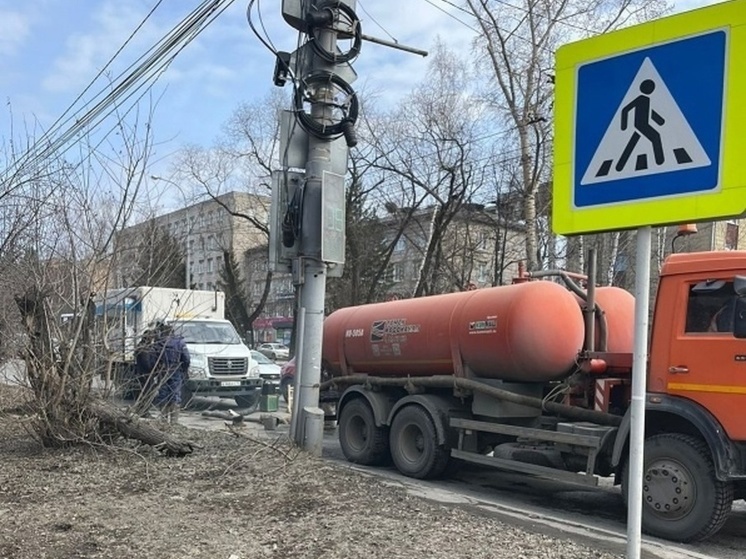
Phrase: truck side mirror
[739,320]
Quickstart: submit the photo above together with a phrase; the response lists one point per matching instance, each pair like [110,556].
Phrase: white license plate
[231,383]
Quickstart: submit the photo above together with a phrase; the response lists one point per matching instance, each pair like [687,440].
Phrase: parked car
[269,371]
[275,351]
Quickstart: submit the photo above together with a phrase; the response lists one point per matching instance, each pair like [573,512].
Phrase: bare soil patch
[234,497]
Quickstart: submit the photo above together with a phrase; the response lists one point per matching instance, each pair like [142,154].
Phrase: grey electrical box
[333,218]
[285,184]
[292,11]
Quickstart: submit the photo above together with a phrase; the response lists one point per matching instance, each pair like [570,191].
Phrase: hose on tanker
[568,279]
[445,381]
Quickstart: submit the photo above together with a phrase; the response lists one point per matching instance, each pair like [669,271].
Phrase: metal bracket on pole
[285,187]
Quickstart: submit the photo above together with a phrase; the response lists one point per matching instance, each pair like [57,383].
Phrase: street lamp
[188,248]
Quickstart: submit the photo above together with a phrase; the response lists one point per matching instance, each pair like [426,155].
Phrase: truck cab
[695,433]
[695,355]
[221,365]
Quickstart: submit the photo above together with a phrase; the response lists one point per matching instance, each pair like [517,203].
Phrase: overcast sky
[51,49]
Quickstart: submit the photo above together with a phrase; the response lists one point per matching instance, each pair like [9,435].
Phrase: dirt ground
[233,498]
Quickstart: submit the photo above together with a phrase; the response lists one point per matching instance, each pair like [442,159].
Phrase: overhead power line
[142,73]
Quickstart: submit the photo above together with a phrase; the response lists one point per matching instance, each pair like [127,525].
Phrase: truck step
[525,468]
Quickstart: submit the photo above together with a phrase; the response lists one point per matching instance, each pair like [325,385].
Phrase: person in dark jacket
[144,381]
[171,370]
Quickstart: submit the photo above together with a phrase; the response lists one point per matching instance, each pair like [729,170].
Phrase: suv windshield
[195,332]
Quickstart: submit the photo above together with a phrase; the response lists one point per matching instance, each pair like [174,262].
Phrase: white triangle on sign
[656,138]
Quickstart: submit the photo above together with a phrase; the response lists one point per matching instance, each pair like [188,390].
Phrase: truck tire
[682,500]
[362,441]
[414,444]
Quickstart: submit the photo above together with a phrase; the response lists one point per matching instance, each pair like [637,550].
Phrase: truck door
[707,364]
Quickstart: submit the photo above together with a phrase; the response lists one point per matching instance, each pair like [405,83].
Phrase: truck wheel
[362,441]
[414,444]
[682,499]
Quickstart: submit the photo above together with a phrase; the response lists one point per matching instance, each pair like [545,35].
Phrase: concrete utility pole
[313,286]
[307,225]
[315,200]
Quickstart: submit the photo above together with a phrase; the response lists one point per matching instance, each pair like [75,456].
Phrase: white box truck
[221,364]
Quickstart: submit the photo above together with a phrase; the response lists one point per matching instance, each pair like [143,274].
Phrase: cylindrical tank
[529,332]
[618,306]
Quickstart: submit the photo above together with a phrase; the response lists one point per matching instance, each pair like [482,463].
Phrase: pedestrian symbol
[647,135]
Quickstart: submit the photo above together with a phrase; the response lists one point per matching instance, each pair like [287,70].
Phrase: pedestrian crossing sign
[649,127]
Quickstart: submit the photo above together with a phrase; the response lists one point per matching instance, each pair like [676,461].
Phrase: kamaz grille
[228,366]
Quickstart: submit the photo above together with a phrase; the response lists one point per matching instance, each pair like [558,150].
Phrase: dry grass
[234,497]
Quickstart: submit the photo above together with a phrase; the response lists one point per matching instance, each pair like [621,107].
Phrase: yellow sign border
[729,200]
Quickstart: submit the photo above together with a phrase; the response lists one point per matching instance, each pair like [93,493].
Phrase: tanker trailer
[535,378]
[469,376]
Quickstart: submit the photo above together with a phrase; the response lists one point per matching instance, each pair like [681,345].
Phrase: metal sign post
[639,376]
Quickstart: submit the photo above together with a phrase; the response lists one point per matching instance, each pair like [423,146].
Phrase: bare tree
[68,211]
[241,160]
[519,41]
[429,147]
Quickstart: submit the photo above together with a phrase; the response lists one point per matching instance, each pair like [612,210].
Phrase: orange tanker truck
[535,377]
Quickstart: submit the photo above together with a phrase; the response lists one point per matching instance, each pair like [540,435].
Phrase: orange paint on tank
[530,332]
[619,308]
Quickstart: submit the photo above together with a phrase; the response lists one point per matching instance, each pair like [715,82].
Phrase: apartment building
[276,322]
[205,230]
[480,248]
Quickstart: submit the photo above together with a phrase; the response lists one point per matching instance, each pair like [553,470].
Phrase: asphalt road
[592,516]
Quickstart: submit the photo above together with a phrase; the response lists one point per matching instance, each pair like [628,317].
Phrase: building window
[395,272]
[731,235]
[483,238]
[210,265]
[483,272]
